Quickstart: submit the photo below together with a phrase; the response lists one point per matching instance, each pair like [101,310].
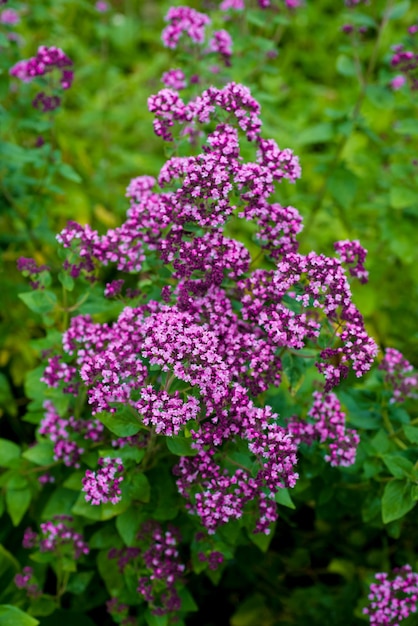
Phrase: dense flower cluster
[68,434]
[398,374]
[393,600]
[45,61]
[104,485]
[57,536]
[27,581]
[217,493]
[328,428]
[162,564]
[220,329]
[184,20]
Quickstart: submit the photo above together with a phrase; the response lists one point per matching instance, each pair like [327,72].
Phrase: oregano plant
[207,388]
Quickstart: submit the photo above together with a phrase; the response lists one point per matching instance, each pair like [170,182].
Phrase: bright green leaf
[12,616]
[17,503]
[40,453]
[283,497]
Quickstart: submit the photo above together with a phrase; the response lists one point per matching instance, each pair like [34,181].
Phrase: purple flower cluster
[162,565]
[393,600]
[68,434]
[104,485]
[406,63]
[328,428]
[57,536]
[352,253]
[184,20]
[216,491]
[30,268]
[398,374]
[9,17]
[27,581]
[174,79]
[220,329]
[213,558]
[45,61]
[221,43]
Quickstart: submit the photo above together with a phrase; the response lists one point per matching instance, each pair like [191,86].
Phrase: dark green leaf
[397,500]
[123,423]
[181,446]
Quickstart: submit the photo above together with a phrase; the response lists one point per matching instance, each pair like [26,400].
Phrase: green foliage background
[357,143]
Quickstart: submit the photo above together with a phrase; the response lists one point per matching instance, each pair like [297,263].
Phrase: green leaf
[128,524]
[43,606]
[69,173]
[398,10]
[123,423]
[411,433]
[79,582]
[17,503]
[261,540]
[181,446]
[40,453]
[39,301]
[155,620]
[139,487]
[342,185]
[11,616]
[402,197]
[407,127]
[9,452]
[60,503]
[187,602]
[398,465]
[346,65]
[283,497]
[318,133]
[100,512]
[397,500]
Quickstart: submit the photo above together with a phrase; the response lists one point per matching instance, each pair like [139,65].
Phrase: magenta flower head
[399,375]
[184,20]
[398,82]
[45,61]
[103,486]
[392,601]
[101,6]
[9,17]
